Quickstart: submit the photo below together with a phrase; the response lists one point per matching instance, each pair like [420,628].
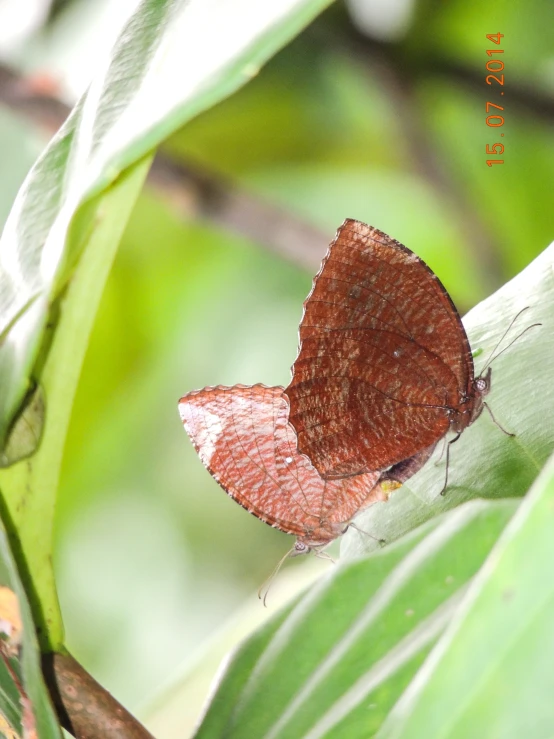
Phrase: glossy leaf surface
[338,662]
[506,624]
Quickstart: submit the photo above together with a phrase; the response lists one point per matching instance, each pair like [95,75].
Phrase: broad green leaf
[296,688]
[238,669]
[339,661]
[28,488]
[506,625]
[485,462]
[173,59]
[24,700]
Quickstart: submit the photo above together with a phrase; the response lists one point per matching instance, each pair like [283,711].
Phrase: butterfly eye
[482,383]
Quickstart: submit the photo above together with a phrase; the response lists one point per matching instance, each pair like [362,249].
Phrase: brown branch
[84,707]
[399,75]
[194,193]
[432,166]
[400,69]
[25,97]
[524,97]
[201,195]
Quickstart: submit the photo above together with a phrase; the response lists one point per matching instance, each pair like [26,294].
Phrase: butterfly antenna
[533,325]
[266,585]
[514,319]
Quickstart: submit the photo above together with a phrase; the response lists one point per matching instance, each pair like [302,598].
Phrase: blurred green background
[377,112]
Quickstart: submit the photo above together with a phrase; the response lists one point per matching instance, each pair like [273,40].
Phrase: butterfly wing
[243,437]
[383,357]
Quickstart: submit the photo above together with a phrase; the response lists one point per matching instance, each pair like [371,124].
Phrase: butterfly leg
[452,441]
[491,414]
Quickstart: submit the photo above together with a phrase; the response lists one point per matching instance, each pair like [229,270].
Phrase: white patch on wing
[248,404]
[206,434]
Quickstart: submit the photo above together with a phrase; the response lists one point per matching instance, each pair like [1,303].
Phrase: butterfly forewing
[383,357]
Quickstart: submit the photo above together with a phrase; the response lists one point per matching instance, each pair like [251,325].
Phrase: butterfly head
[482,384]
[481,387]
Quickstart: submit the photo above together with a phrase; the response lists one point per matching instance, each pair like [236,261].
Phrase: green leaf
[506,625]
[332,670]
[239,667]
[173,59]
[24,699]
[485,462]
[338,662]
[29,488]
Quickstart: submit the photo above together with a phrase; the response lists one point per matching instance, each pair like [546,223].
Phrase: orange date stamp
[496,81]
